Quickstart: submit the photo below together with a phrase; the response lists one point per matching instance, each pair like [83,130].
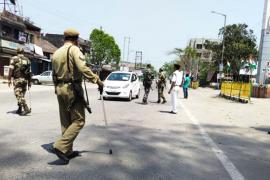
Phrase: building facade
[18,32]
[263,75]
[58,40]
[199,44]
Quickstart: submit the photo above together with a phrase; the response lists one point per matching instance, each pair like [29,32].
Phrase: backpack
[147,78]
[23,68]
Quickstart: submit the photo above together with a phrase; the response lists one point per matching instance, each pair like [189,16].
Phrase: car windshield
[46,73]
[119,77]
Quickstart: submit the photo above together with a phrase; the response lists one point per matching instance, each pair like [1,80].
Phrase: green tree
[189,59]
[104,49]
[186,57]
[239,43]
[168,67]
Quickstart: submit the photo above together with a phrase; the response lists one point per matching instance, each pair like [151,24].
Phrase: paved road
[209,139]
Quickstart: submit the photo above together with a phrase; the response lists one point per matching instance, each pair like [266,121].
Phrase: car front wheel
[36,81]
[130,96]
[138,95]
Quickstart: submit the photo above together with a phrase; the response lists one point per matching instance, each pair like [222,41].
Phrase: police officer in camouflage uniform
[147,82]
[161,84]
[21,74]
[69,69]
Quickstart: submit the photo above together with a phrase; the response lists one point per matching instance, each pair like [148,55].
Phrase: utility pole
[126,40]
[4,5]
[138,58]
[128,49]
[223,44]
[124,50]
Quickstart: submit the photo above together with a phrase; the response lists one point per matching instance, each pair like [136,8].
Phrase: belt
[68,81]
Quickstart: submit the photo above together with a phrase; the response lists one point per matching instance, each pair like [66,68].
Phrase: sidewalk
[3,81]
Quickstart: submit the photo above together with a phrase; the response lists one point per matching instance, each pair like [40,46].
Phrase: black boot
[26,111]
[61,156]
[19,110]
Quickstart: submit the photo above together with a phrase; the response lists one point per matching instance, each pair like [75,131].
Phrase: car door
[48,78]
[45,77]
[134,84]
[41,77]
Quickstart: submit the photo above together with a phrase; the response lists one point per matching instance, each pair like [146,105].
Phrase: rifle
[78,94]
[86,103]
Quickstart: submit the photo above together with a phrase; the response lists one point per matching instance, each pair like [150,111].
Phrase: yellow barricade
[237,90]
[245,91]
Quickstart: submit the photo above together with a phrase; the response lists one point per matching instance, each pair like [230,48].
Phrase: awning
[47,60]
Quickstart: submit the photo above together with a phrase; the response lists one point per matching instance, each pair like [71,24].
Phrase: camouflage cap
[70,32]
[20,50]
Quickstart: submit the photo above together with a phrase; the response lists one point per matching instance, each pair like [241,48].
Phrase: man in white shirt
[177,79]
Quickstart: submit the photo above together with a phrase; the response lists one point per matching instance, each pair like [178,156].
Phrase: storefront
[9,49]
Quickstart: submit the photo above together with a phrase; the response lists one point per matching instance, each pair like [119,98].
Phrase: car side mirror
[134,79]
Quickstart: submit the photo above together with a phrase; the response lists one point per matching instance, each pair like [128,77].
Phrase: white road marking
[228,165]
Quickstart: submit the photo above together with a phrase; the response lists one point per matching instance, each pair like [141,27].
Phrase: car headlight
[125,86]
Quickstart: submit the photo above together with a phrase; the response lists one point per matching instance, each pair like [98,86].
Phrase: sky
[155,27]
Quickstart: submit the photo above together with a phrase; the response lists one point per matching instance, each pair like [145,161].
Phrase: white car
[45,77]
[122,84]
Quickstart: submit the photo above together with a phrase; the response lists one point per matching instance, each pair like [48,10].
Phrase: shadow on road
[145,153]
[12,112]
[264,129]
[141,103]
[48,147]
[168,112]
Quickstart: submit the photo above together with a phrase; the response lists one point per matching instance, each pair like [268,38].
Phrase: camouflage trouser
[20,86]
[160,93]
[146,93]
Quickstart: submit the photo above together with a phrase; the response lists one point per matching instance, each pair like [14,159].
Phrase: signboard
[266,72]
[22,37]
[38,50]
[220,67]
[6,71]
[220,75]
[10,45]
[249,68]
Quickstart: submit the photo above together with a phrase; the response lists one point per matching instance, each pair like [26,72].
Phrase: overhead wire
[57,14]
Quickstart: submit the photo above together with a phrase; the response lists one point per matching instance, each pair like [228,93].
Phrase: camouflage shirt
[20,66]
[148,77]
[161,79]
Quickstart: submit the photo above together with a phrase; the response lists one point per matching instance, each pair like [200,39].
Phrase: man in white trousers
[177,80]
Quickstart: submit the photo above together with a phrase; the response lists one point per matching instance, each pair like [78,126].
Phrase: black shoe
[74,154]
[164,102]
[25,112]
[173,112]
[61,155]
[158,101]
[19,110]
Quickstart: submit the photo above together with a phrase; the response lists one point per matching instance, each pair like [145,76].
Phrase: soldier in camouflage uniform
[69,68]
[21,74]
[161,84]
[147,82]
